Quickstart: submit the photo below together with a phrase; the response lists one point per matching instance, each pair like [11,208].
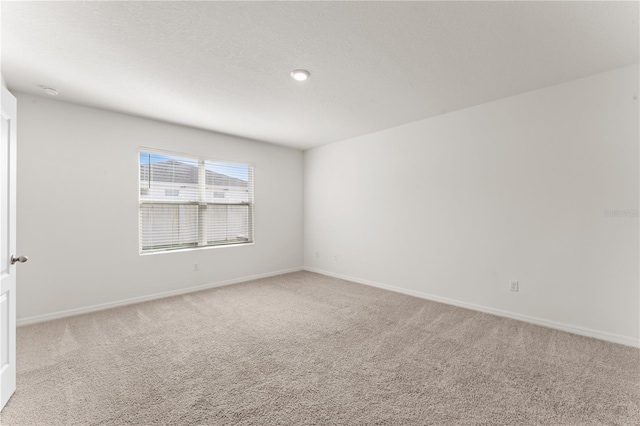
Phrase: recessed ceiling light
[300,75]
[50,91]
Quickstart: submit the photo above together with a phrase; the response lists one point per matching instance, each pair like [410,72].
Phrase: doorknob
[20,259]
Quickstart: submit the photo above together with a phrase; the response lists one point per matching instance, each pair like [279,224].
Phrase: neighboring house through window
[188,202]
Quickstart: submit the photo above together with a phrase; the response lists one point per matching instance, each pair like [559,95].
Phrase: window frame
[250,205]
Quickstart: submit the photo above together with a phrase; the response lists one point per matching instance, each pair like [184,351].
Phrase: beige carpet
[305,349]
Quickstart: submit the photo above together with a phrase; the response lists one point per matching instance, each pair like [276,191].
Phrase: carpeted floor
[305,349]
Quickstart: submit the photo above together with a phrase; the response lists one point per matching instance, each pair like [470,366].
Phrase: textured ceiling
[225,66]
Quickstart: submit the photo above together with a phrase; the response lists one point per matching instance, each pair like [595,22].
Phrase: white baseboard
[602,335]
[109,305]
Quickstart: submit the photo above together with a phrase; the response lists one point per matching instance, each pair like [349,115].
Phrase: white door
[8,248]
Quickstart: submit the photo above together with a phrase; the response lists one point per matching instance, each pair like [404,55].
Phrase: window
[181,206]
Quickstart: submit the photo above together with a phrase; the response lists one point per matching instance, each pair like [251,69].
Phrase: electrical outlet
[335,257]
[196,267]
[513,285]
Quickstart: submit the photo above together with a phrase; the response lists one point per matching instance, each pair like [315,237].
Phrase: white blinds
[190,202]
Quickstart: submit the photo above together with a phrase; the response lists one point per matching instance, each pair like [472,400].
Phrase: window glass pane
[234,180]
[228,223]
[168,226]
[162,176]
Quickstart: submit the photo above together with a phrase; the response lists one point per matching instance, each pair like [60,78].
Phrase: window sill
[151,253]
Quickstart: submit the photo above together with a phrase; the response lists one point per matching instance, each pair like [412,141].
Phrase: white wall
[455,206]
[78,209]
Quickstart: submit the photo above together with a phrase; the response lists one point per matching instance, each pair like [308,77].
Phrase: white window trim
[199,158]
